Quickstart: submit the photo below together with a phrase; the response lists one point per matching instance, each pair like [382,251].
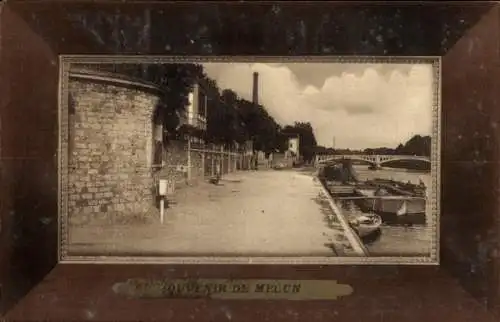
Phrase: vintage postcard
[331,160]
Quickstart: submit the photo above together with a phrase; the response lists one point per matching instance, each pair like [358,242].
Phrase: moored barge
[394,209]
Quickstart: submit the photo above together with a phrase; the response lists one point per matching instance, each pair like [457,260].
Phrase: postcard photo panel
[331,160]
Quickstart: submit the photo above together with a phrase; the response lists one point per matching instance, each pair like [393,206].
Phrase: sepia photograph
[249,160]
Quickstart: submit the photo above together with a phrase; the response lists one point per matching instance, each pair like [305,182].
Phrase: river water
[394,240]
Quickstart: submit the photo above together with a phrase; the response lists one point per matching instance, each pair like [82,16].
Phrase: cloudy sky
[360,105]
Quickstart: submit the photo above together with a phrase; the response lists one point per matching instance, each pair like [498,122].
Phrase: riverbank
[394,240]
[350,235]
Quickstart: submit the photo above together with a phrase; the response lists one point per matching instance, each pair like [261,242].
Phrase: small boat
[365,225]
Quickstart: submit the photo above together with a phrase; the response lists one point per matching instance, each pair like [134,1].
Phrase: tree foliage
[177,81]
[260,127]
[417,145]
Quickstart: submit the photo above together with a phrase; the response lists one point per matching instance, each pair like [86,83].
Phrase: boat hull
[388,210]
[404,220]
[365,229]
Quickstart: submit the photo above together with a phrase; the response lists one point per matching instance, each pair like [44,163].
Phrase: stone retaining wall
[110,147]
[175,154]
[112,169]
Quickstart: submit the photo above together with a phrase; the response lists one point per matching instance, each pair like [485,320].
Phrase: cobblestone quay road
[257,213]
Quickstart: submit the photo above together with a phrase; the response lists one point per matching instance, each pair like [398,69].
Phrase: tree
[224,122]
[176,81]
[215,113]
[418,145]
[259,126]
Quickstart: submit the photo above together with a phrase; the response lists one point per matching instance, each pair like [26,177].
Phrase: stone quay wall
[110,147]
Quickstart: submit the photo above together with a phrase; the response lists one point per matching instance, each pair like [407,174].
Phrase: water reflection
[372,238]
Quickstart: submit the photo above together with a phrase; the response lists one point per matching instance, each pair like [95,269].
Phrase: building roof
[110,77]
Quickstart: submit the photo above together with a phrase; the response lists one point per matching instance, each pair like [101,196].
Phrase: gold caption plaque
[248,289]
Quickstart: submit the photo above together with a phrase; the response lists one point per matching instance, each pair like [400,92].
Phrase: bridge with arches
[376,160]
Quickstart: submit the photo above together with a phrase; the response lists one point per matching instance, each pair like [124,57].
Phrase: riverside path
[254,213]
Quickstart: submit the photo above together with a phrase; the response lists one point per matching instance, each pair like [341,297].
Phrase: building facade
[293,145]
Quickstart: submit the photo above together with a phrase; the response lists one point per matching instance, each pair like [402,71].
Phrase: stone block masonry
[110,149]
[201,159]
[175,154]
[197,166]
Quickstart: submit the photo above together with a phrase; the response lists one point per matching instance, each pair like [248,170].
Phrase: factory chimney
[255,97]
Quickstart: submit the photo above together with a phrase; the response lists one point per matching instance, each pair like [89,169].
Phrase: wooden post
[189,159]
[222,159]
[212,166]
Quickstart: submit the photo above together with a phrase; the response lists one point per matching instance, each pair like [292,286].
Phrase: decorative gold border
[63,157]
[64,64]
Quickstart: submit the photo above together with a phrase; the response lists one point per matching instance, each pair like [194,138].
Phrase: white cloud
[360,111]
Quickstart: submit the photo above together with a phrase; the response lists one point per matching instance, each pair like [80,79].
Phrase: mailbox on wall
[166,187]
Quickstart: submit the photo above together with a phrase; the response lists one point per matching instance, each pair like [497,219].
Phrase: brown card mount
[34,286]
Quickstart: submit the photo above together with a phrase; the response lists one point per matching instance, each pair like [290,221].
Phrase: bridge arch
[364,159]
[376,160]
[338,158]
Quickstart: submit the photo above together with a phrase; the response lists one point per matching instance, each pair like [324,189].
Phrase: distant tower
[255,93]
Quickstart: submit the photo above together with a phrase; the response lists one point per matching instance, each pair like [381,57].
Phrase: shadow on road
[232,180]
[331,246]
[338,242]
